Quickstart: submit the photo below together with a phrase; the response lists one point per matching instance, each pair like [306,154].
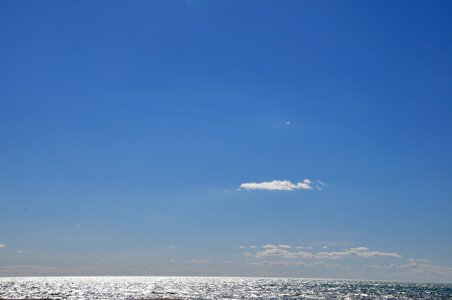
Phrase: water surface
[213,288]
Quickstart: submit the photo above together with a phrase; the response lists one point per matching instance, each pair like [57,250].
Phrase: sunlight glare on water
[213,288]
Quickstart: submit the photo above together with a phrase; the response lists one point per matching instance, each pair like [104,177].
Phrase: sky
[226,138]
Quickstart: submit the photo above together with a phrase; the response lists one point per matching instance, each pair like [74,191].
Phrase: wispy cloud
[2,245]
[304,247]
[286,263]
[320,185]
[358,251]
[19,251]
[192,261]
[417,266]
[199,260]
[279,263]
[277,185]
[284,252]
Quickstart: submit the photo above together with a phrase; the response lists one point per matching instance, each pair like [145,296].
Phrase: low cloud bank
[284,252]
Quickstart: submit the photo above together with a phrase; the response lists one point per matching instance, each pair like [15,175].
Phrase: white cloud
[363,252]
[2,245]
[358,251]
[277,185]
[275,250]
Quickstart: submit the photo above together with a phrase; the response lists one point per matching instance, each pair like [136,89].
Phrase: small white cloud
[2,245]
[277,185]
[288,122]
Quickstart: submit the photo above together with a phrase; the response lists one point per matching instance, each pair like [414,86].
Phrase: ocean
[213,288]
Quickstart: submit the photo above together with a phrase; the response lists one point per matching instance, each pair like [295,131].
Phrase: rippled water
[213,288]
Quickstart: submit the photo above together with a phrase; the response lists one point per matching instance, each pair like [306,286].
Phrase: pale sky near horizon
[245,138]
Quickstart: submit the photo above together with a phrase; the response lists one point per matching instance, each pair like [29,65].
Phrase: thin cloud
[193,261]
[417,266]
[304,247]
[279,263]
[320,185]
[244,247]
[199,261]
[283,252]
[277,185]
[19,251]
[296,264]
[358,251]
[2,245]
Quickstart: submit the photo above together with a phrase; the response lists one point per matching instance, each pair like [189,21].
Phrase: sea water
[213,288]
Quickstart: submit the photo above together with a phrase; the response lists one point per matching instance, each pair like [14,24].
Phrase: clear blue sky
[130,130]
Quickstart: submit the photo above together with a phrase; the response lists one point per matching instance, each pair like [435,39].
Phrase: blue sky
[262,138]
